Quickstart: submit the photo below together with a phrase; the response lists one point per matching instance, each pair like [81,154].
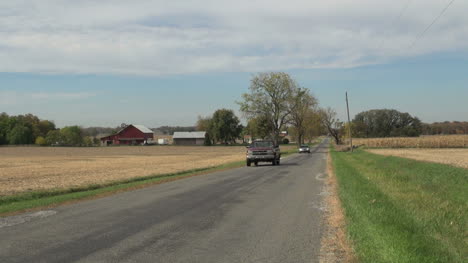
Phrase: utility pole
[349,125]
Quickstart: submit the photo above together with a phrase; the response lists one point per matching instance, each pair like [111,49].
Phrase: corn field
[433,141]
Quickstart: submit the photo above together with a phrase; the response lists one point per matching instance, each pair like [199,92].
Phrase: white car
[304,148]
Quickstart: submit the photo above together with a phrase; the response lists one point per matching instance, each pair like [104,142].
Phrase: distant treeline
[381,123]
[385,123]
[23,129]
[29,129]
[439,128]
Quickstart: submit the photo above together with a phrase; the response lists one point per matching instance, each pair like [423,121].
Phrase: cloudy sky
[165,62]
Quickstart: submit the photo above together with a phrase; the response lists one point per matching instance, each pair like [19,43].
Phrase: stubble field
[432,141]
[455,157]
[24,169]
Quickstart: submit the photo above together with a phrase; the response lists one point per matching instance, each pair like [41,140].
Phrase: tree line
[380,123]
[29,129]
[376,123]
[445,128]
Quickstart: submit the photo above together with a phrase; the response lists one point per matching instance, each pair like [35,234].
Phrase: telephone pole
[349,125]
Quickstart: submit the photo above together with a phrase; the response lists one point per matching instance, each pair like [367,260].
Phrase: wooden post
[349,124]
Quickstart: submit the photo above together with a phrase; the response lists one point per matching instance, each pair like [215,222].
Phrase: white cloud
[182,37]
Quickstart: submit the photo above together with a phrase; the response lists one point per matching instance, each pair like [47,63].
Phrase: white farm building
[189,138]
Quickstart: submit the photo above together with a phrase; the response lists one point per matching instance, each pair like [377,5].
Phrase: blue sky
[158,63]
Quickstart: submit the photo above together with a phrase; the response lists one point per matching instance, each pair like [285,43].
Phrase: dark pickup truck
[263,151]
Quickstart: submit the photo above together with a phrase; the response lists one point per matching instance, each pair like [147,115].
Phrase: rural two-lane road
[250,214]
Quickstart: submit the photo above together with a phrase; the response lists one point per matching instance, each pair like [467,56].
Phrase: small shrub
[41,141]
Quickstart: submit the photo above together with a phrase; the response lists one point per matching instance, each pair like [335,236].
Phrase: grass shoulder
[402,210]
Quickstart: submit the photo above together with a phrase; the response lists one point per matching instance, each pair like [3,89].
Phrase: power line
[395,20]
[431,24]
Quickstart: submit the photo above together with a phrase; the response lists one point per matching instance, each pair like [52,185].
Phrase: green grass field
[401,210]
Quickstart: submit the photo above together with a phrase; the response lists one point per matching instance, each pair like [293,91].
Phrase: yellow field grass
[456,157]
[25,169]
[443,141]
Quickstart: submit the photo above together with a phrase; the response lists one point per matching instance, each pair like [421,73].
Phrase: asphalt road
[250,214]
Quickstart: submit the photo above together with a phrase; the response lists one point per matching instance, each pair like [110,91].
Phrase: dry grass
[335,245]
[456,157]
[24,169]
[442,141]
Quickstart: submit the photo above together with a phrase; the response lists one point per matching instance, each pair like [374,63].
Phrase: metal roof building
[189,138]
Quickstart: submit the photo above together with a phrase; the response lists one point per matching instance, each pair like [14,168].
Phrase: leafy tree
[313,125]
[44,126]
[20,134]
[386,123]
[225,126]
[259,127]
[54,137]
[72,136]
[32,122]
[41,141]
[270,96]
[88,141]
[4,127]
[302,103]
[22,129]
[207,141]
[203,123]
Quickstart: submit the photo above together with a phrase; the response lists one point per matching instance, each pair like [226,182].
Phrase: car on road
[263,151]
[304,148]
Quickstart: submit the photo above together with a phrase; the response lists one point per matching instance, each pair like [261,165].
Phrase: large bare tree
[332,124]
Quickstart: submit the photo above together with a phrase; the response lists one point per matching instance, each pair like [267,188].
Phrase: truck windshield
[262,144]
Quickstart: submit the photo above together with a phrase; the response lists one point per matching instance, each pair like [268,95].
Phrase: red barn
[130,135]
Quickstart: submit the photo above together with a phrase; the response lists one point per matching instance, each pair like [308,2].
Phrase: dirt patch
[456,157]
[335,246]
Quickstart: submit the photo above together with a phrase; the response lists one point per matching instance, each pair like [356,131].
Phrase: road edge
[335,246]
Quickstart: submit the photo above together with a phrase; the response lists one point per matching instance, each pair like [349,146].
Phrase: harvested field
[456,157]
[436,141]
[24,169]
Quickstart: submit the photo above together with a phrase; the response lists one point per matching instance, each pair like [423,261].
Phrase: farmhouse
[130,135]
[189,138]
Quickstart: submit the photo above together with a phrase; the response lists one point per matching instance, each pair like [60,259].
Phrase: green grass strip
[402,210]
